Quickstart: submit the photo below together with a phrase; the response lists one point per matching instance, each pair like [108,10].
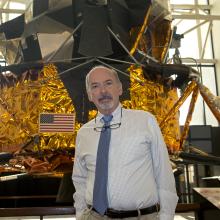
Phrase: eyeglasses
[111,126]
[103,128]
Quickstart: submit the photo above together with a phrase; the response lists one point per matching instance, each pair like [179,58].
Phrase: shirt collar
[116,115]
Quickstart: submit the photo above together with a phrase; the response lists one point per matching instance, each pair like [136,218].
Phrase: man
[139,174]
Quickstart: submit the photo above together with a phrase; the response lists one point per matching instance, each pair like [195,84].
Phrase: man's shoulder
[89,124]
[138,113]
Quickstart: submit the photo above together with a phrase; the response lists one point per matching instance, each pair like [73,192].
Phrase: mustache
[103,97]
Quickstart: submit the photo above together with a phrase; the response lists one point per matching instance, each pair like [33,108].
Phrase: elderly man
[121,167]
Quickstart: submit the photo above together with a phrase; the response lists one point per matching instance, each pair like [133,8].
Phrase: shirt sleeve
[79,180]
[163,174]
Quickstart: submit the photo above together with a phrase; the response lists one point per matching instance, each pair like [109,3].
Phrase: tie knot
[107,118]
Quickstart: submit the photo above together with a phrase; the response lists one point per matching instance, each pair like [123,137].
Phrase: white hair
[103,67]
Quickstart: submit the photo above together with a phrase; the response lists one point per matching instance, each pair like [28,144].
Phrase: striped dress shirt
[140,173]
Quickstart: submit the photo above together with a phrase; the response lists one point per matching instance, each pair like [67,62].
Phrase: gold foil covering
[159,100]
[92,114]
[161,38]
[20,107]
[21,104]
[177,105]
[55,99]
[141,32]
[211,100]
[155,44]
[189,117]
[18,114]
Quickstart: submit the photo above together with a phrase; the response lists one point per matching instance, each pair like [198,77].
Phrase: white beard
[106,106]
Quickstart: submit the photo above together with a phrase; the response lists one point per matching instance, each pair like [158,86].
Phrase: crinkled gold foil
[211,100]
[55,99]
[21,105]
[141,32]
[92,114]
[177,105]
[162,34]
[157,99]
[189,117]
[18,114]
[156,42]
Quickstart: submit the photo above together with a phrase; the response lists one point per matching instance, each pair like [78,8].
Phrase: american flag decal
[56,122]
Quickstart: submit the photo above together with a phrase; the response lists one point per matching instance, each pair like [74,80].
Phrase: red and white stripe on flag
[56,122]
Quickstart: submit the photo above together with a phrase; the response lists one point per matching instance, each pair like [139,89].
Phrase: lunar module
[50,48]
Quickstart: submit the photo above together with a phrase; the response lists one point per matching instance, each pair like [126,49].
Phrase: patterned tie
[100,200]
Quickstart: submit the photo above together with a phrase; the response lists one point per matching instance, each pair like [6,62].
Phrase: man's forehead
[101,74]
[99,70]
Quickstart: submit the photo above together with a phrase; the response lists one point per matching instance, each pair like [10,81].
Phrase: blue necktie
[100,199]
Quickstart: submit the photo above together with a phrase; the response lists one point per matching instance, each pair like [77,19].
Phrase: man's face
[104,90]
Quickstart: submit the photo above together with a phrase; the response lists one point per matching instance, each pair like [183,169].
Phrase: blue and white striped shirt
[140,174]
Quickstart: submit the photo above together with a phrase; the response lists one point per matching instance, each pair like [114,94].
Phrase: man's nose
[103,89]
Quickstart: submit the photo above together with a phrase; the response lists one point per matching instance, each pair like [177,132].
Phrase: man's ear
[120,89]
[89,96]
